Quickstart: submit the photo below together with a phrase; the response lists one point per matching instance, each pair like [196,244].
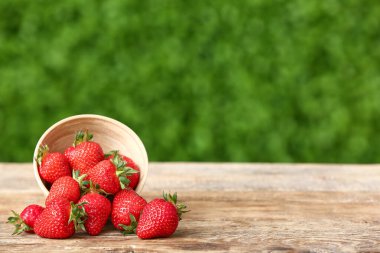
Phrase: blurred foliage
[202,80]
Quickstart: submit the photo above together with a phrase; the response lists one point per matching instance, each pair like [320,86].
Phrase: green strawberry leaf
[111,153]
[43,150]
[82,136]
[20,225]
[78,215]
[130,229]
[181,208]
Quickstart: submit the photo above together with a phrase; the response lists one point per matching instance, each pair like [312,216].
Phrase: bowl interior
[109,133]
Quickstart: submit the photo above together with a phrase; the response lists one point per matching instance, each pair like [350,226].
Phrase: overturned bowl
[109,133]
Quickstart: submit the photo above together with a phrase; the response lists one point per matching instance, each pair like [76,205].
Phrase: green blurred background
[244,81]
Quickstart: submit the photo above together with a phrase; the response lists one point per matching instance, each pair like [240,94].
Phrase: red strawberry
[160,217]
[66,187]
[59,220]
[126,203]
[135,177]
[98,209]
[110,175]
[87,153]
[69,153]
[25,221]
[52,165]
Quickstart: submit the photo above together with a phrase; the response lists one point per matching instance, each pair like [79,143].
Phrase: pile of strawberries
[87,187]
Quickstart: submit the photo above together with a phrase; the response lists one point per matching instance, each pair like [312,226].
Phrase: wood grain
[234,208]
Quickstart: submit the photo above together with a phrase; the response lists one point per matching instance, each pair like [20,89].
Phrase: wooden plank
[230,177]
[234,207]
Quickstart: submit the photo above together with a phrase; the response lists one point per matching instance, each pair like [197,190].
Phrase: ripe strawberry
[59,220]
[25,221]
[126,208]
[86,154]
[110,175]
[135,177]
[66,187]
[98,209]
[69,153]
[52,165]
[160,217]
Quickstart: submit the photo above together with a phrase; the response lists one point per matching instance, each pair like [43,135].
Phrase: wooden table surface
[234,207]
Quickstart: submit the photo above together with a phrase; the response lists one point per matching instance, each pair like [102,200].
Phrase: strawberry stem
[111,153]
[122,170]
[80,179]
[94,189]
[43,150]
[131,228]
[181,208]
[78,215]
[20,225]
[82,136]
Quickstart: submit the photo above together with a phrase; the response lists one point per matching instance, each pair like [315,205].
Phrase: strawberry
[69,153]
[135,177]
[160,217]
[25,221]
[98,209]
[86,153]
[52,165]
[66,187]
[110,175]
[126,208]
[60,219]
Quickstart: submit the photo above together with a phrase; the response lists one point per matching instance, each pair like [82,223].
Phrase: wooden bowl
[109,133]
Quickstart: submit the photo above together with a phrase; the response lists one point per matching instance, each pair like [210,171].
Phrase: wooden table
[234,207]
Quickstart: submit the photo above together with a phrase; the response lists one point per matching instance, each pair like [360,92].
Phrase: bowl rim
[93,116]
